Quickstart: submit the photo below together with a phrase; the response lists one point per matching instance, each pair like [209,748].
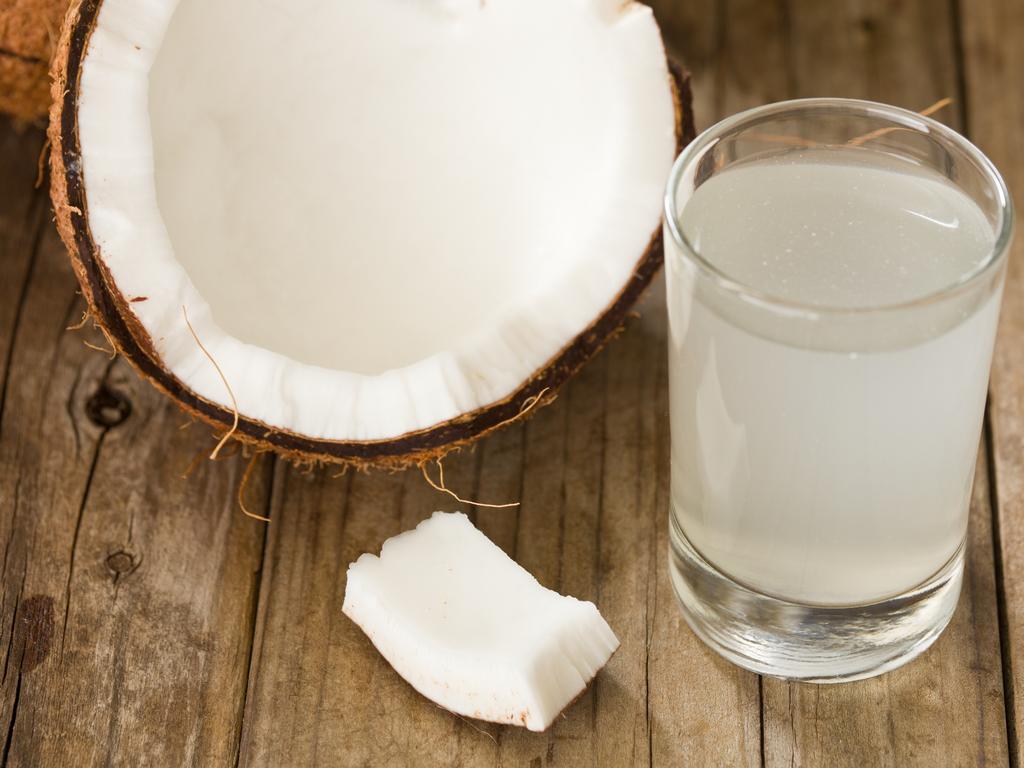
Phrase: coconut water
[824,440]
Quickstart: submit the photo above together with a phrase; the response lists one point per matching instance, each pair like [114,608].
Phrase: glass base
[811,643]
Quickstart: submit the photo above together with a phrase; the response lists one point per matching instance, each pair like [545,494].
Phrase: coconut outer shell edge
[110,311]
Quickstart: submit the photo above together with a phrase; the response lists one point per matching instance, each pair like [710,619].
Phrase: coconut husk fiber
[29,30]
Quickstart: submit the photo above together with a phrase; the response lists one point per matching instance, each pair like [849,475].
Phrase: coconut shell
[28,34]
[110,309]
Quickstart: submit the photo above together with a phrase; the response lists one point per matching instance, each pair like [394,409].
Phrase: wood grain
[993,56]
[22,220]
[21,225]
[127,603]
[703,710]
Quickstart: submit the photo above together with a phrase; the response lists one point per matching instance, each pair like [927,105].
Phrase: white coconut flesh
[472,630]
[379,214]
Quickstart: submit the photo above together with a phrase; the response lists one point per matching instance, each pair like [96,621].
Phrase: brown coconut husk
[111,310]
[28,35]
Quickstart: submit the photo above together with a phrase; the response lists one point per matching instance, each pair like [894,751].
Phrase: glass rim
[900,118]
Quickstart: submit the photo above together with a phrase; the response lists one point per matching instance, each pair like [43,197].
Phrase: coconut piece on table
[471,629]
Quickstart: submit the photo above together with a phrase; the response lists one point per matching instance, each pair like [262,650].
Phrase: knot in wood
[121,562]
[107,407]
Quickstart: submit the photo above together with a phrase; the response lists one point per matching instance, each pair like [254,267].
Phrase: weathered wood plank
[21,222]
[128,592]
[993,53]
[946,707]
[693,35]
[553,466]
[703,710]
[707,710]
[161,599]
[736,52]
[33,469]
[902,53]
[626,557]
[23,214]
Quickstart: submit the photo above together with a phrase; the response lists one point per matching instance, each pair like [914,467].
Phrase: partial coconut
[393,224]
[28,32]
[472,630]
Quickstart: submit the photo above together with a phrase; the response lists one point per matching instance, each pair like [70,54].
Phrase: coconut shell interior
[110,310]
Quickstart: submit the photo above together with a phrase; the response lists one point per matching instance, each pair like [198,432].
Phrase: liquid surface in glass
[815,227]
[828,475]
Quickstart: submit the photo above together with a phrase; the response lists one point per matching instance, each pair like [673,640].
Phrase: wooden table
[145,621]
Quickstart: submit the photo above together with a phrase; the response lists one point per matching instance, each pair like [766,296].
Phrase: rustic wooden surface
[145,621]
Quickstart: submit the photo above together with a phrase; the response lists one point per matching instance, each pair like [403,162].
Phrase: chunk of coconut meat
[471,629]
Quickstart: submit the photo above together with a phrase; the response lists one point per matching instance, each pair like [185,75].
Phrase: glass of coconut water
[834,272]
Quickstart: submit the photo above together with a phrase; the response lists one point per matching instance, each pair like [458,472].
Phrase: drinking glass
[824,440]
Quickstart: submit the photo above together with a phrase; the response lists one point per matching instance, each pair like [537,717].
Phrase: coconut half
[391,223]
[471,629]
